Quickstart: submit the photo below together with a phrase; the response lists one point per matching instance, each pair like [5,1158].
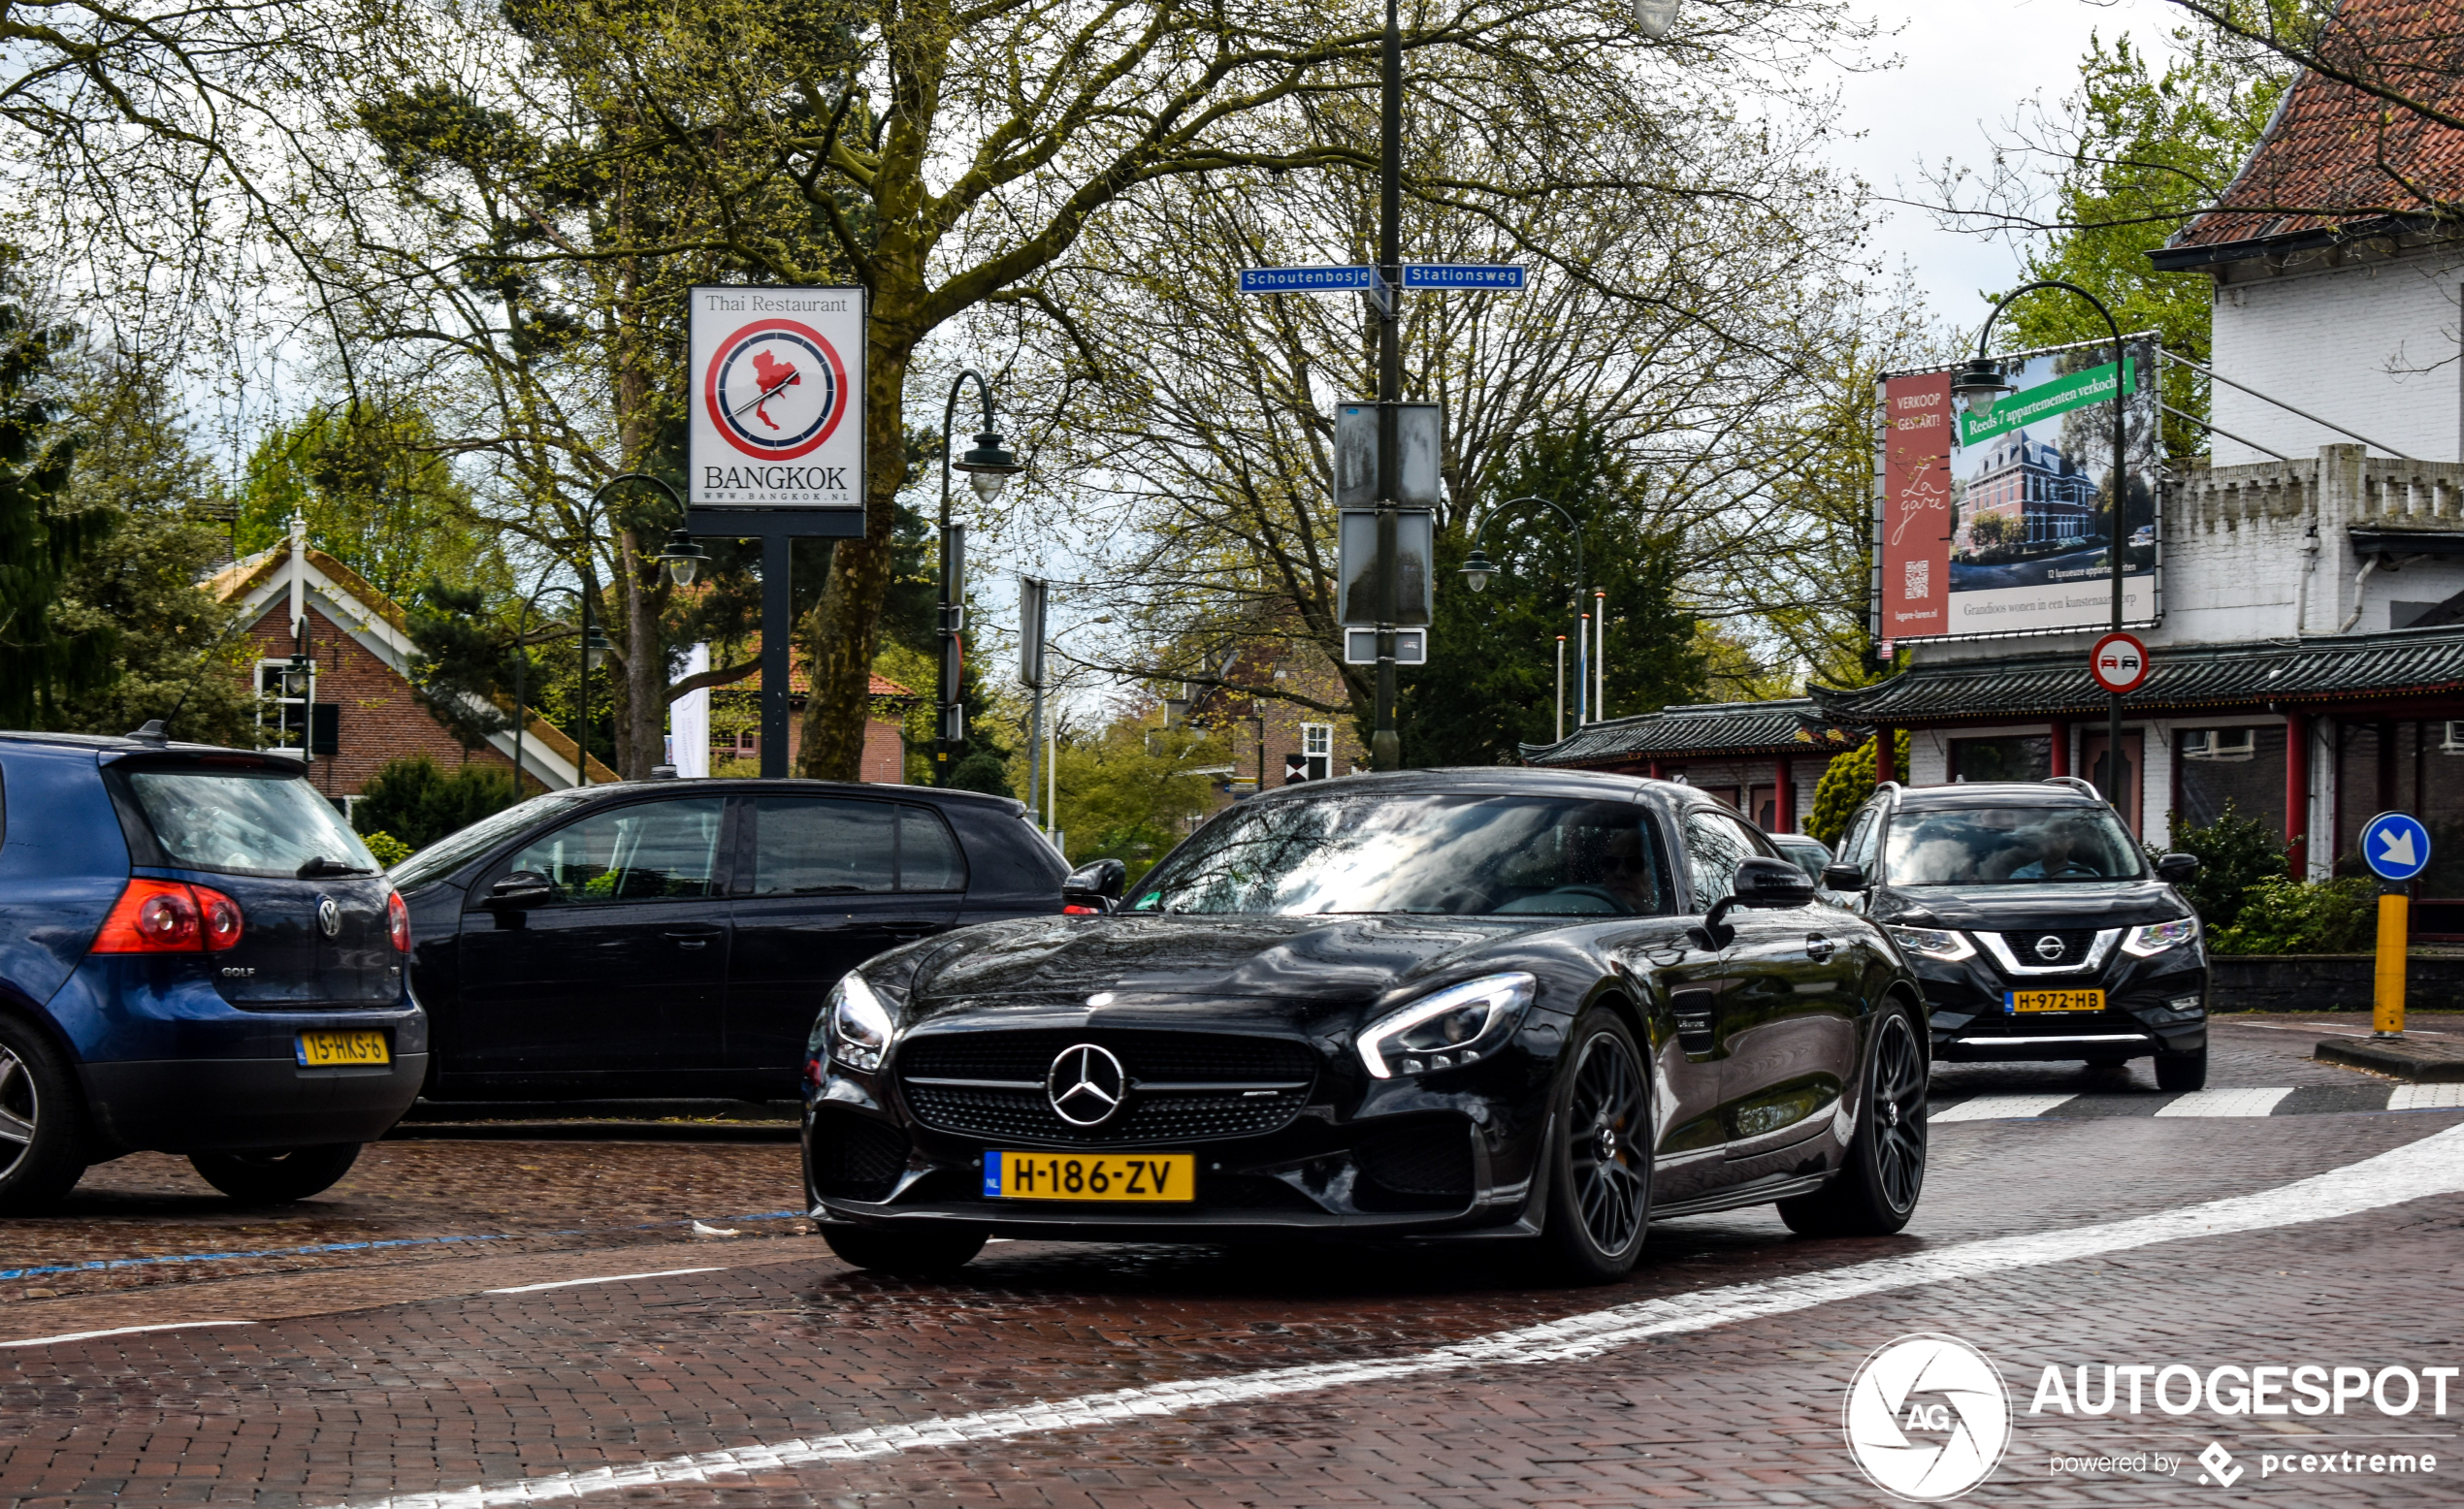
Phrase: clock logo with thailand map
[776,390]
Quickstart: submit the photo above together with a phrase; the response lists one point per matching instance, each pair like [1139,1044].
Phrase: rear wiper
[320,865]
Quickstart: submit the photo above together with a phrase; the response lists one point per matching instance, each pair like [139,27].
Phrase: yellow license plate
[327,1050]
[1166,1177]
[2055,1000]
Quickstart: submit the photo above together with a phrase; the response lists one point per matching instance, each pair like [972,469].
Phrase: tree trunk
[645,705]
[841,633]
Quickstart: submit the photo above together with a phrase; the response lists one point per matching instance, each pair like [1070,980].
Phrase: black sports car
[1470,1004]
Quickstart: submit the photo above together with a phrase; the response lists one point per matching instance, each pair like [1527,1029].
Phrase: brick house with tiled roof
[363,714]
[885,756]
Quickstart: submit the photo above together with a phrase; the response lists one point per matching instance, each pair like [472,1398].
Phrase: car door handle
[694,938]
[911,929]
[1819,948]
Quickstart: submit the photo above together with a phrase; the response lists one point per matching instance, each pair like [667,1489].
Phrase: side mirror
[1093,889]
[2175,869]
[1772,883]
[1845,877]
[521,888]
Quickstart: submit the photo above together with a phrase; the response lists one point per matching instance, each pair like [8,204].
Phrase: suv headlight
[2156,936]
[1934,943]
[854,1025]
[1461,1024]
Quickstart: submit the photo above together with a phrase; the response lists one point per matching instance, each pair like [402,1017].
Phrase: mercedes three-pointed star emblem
[1085,1085]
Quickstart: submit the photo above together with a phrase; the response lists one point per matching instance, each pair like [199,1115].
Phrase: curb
[2421,1063]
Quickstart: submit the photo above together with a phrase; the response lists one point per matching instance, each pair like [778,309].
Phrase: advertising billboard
[2000,523]
[777,402]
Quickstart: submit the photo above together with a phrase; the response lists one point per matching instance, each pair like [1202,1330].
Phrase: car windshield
[447,853]
[2010,846]
[1436,854]
[245,821]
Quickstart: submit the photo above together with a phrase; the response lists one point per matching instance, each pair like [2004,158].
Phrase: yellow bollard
[2387,1016]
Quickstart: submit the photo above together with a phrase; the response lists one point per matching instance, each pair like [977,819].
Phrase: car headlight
[854,1025]
[1458,1025]
[2156,936]
[1934,943]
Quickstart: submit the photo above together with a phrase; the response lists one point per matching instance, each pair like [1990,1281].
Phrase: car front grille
[2078,947]
[1183,1087]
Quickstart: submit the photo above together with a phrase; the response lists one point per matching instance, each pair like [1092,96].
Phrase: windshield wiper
[318,865]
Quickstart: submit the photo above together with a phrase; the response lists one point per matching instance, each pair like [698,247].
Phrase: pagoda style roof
[2346,668]
[1703,730]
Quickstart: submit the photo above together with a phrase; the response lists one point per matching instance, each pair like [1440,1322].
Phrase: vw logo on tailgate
[329,917]
[1085,1085]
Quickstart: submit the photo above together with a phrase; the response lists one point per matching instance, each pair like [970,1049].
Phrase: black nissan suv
[2036,923]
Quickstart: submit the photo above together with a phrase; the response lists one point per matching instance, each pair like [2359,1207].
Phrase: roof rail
[2077,783]
[1891,786]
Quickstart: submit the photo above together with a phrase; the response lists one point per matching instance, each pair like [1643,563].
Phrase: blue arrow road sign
[1462,274]
[2396,845]
[1308,280]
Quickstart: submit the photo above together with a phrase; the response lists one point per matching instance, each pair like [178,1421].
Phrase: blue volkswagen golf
[197,956]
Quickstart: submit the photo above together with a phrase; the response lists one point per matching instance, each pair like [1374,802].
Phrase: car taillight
[168,917]
[398,921]
[1077,911]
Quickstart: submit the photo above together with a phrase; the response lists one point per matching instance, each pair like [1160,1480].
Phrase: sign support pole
[777,625]
[1385,747]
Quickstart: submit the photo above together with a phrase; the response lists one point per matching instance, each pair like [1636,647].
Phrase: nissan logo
[2050,948]
[1085,1085]
[329,917]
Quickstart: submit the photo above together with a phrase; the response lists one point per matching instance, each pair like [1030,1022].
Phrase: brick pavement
[451,1391]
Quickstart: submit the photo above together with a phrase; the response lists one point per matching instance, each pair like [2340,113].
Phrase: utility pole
[1385,745]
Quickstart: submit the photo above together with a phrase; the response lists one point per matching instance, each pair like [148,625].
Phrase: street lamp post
[1477,569]
[681,558]
[988,468]
[1974,391]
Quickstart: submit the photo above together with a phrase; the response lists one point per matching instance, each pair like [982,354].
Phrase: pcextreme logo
[1927,1418]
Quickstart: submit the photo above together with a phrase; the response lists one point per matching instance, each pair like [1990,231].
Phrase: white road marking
[2224,1102]
[605,1278]
[1997,1107]
[120,1331]
[2432,1166]
[2427,1096]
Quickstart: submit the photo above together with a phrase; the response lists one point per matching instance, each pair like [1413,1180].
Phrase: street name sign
[1462,274]
[777,402]
[2395,846]
[2118,662]
[1309,280]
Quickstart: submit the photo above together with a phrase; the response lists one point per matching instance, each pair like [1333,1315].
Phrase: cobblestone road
[374,1368]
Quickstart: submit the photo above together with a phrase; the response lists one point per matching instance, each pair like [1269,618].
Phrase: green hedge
[418,803]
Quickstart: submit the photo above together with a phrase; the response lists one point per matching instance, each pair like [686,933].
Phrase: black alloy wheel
[1875,1191]
[1600,1191]
[276,1175]
[42,1125]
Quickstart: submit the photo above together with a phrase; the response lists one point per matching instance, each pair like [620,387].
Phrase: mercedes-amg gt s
[1444,1005]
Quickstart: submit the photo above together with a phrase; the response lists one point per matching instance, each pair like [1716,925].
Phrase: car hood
[1059,961]
[2074,904]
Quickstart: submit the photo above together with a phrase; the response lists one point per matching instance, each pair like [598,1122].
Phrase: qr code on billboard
[1916,579]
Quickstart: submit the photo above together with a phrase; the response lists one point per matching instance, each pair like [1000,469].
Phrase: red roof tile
[2334,154]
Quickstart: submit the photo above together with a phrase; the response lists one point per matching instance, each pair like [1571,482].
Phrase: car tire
[277,1174]
[1600,1155]
[910,1254]
[2182,1071]
[43,1141]
[1875,1191]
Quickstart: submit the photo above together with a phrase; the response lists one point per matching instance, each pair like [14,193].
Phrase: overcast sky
[1969,66]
